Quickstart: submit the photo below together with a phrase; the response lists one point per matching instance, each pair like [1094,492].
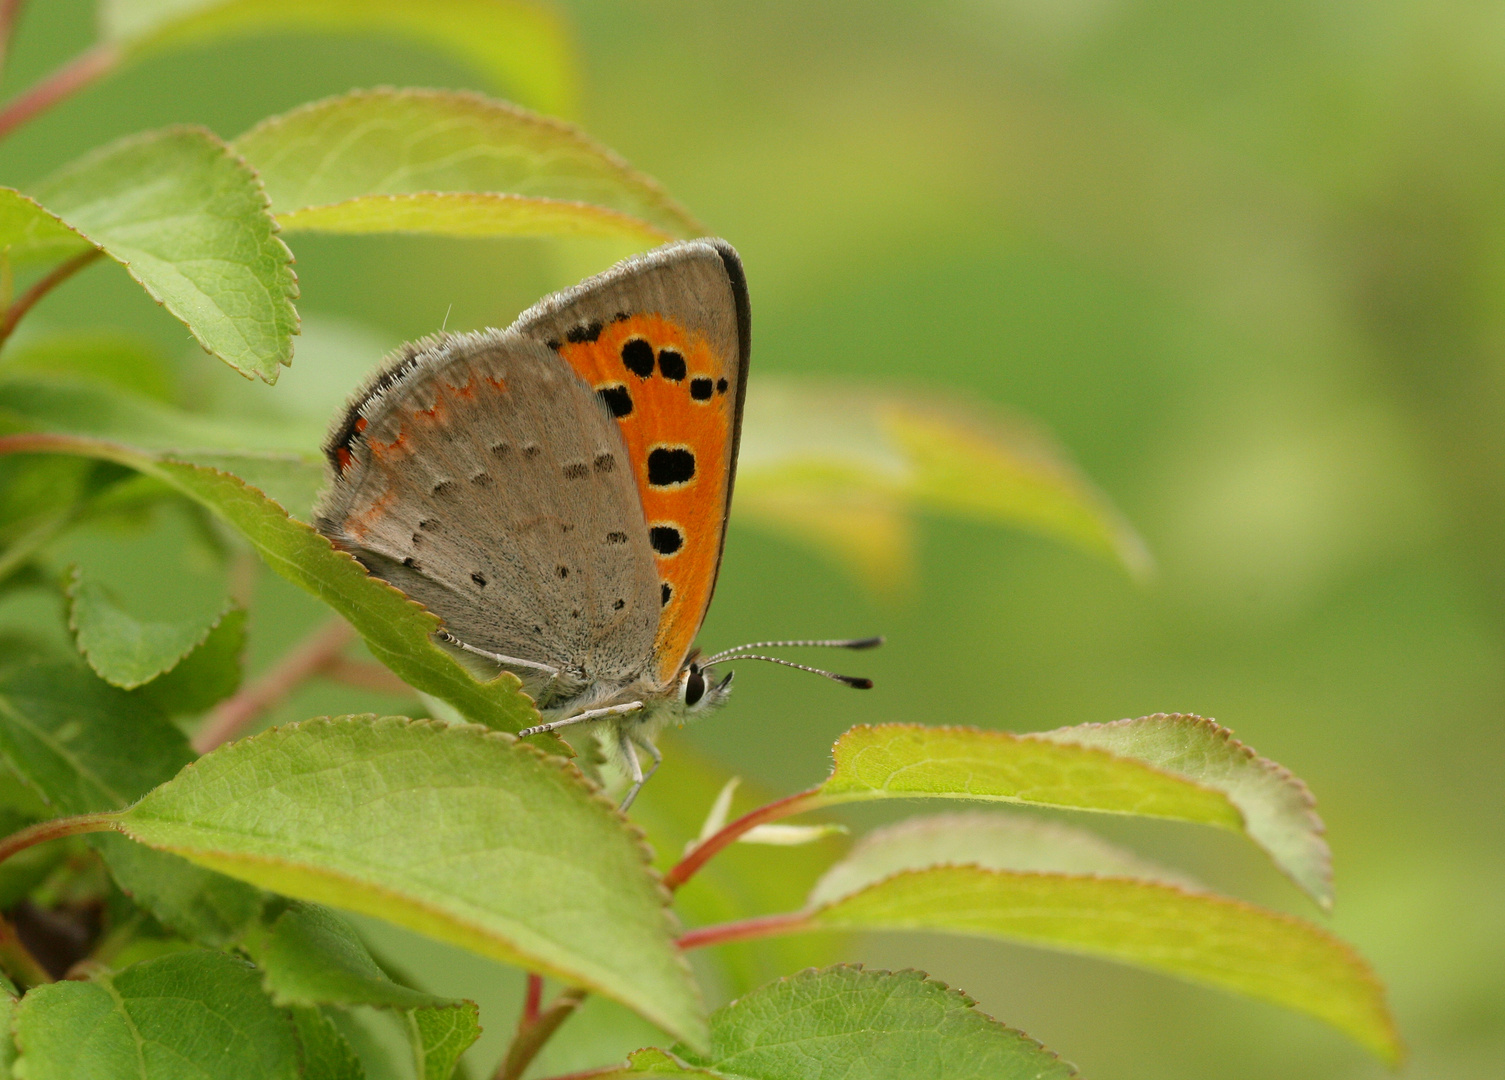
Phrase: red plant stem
[87,67]
[55,829]
[55,277]
[365,675]
[702,853]
[9,11]
[534,1000]
[302,662]
[788,922]
[530,1037]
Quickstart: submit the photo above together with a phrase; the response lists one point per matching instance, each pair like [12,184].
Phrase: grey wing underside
[490,484]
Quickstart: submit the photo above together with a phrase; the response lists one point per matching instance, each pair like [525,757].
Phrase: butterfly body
[557,491]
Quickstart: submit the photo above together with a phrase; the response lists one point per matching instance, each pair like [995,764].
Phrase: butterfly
[557,492]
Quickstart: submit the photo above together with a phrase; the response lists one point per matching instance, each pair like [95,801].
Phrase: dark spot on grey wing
[617,399]
[672,365]
[666,539]
[619,605]
[531,451]
[481,479]
[637,357]
[620,316]
[701,389]
[665,590]
[410,562]
[616,538]
[416,538]
[669,466]
[576,470]
[566,527]
[538,629]
[500,449]
[562,571]
[605,463]
[428,524]
[588,332]
[443,486]
[575,614]
[720,386]
[553,343]
[478,577]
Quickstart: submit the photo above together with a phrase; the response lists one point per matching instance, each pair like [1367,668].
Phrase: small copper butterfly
[557,492]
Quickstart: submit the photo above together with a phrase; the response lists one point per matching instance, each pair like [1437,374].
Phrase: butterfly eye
[694,687]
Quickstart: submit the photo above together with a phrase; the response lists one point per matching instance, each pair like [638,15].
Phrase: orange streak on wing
[664,413]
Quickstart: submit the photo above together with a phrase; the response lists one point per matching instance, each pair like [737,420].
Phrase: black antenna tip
[855,682]
[865,643]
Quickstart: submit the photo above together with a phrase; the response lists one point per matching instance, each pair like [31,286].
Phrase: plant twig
[17,959]
[54,277]
[87,67]
[55,829]
[365,675]
[787,922]
[702,853]
[534,999]
[530,1037]
[302,662]
[10,11]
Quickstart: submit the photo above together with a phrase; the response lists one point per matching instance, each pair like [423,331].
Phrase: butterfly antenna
[855,682]
[827,643]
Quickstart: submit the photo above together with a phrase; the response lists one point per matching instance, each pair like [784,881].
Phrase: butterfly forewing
[482,477]
[663,340]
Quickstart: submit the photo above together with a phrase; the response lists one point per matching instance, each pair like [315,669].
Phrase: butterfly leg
[581,718]
[627,745]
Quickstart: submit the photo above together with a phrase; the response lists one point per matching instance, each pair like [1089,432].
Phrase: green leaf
[326,1054]
[122,650]
[912,761]
[30,234]
[82,744]
[195,1015]
[1279,812]
[846,471]
[204,907]
[521,47]
[312,956]
[456,832]
[994,840]
[1197,936]
[189,221]
[9,996]
[847,1022]
[208,675]
[395,628]
[456,164]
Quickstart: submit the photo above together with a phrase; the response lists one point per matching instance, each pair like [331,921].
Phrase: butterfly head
[699,691]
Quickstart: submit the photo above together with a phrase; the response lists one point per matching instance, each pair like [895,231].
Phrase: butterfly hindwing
[663,339]
[479,475]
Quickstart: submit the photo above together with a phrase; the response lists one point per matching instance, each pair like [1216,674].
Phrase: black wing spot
[588,332]
[619,605]
[566,527]
[531,451]
[562,571]
[670,466]
[442,487]
[605,463]
[720,386]
[410,562]
[637,357]
[575,614]
[500,450]
[617,399]
[576,470]
[672,364]
[665,590]
[620,316]
[428,524]
[616,538]
[478,577]
[481,479]
[416,538]
[701,389]
[666,539]
[553,343]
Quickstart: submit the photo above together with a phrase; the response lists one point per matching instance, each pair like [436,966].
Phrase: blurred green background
[1246,259]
